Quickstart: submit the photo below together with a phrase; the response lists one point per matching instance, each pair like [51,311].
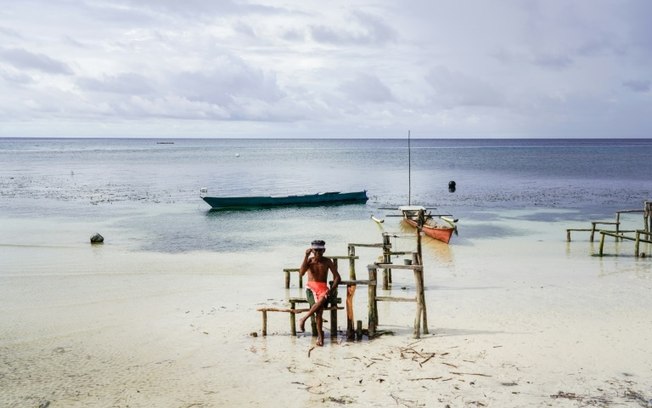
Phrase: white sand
[524,321]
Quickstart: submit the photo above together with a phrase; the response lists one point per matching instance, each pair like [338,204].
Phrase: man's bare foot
[302,324]
[320,341]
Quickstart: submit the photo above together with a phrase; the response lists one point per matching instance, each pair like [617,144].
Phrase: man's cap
[318,244]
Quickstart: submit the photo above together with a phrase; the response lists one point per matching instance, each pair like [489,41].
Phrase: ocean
[145,192]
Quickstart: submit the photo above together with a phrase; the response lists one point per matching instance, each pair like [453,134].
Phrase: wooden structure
[354,328]
[421,318]
[647,223]
[292,310]
[637,239]
[639,235]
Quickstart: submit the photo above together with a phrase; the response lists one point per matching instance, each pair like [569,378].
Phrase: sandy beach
[527,320]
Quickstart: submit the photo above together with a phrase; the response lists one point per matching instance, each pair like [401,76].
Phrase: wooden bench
[292,310]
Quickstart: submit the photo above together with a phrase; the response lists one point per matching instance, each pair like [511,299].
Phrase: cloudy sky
[339,68]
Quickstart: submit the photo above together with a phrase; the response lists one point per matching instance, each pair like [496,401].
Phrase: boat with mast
[437,226]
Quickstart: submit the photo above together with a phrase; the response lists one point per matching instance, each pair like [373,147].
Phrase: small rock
[253,334]
[97,239]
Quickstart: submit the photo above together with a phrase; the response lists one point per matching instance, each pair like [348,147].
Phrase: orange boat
[441,231]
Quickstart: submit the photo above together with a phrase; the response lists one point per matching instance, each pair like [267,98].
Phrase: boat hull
[440,233]
[292,200]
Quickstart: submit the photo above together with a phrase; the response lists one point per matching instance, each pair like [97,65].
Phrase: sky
[322,69]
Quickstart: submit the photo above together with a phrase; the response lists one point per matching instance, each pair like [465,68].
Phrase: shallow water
[147,194]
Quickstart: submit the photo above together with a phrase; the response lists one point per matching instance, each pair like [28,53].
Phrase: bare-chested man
[317,267]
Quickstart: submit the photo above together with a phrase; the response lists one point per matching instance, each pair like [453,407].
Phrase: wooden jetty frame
[421,318]
[617,233]
[647,223]
[292,310]
[637,239]
[354,329]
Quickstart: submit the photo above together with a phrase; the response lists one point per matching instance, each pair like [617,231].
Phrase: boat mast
[409,171]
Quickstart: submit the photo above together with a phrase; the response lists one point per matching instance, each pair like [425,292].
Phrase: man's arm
[336,276]
[305,264]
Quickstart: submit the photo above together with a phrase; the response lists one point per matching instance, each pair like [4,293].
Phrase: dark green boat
[356,197]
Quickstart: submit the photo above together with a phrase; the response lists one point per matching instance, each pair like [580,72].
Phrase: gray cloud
[366,88]
[364,29]
[638,85]
[230,79]
[126,83]
[553,61]
[23,59]
[451,89]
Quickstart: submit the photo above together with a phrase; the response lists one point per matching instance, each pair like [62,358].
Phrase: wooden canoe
[436,230]
[290,200]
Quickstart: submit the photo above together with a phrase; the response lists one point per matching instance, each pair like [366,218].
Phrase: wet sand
[527,320]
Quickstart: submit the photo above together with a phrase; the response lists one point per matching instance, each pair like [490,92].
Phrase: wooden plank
[304,300]
[615,235]
[355,282]
[368,245]
[398,266]
[395,299]
[285,310]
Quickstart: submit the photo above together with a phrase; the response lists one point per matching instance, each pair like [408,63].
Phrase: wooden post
[358,330]
[373,312]
[421,298]
[593,231]
[602,243]
[287,278]
[387,259]
[293,319]
[264,322]
[350,291]
[419,225]
[568,235]
[351,253]
[636,244]
[334,321]
[417,319]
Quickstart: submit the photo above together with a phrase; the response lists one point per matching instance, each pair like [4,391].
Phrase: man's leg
[320,328]
[313,309]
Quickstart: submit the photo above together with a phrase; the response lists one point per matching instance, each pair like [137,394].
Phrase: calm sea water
[150,191]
